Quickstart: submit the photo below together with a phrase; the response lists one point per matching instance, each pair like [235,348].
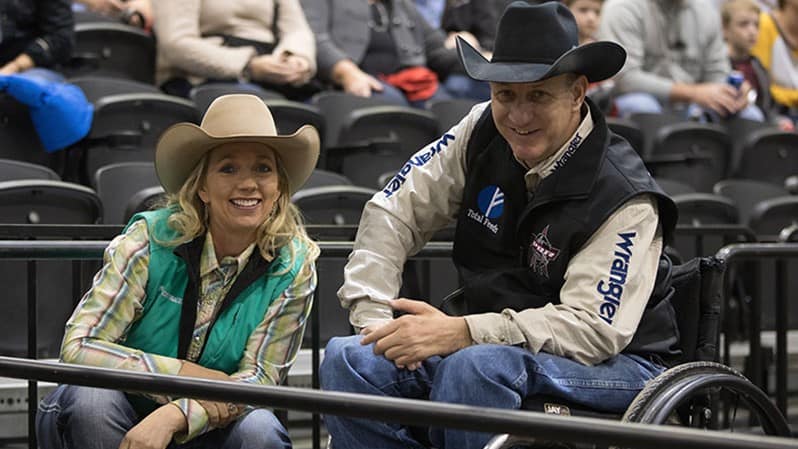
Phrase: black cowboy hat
[536,42]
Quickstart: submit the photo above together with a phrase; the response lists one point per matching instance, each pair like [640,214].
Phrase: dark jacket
[524,266]
[42,29]
[341,29]
[478,17]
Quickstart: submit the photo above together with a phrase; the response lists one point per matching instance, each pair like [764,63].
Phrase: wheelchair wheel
[706,395]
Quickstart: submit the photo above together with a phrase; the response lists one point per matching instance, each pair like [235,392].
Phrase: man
[677,59]
[559,237]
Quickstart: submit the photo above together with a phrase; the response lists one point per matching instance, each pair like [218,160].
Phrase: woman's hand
[220,414]
[143,7]
[104,6]
[279,69]
[156,430]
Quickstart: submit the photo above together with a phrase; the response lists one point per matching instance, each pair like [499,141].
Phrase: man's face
[537,118]
[742,30]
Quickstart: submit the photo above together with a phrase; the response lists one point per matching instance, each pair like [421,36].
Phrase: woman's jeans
[481,375]
[76,417]
[635,102]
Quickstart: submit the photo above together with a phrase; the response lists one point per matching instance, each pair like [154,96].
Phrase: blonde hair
[281,227]
[732,6]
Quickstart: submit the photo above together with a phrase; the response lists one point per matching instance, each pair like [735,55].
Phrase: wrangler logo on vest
[612,289]
[420,159]
[170,297]
[491,203]
[541,252]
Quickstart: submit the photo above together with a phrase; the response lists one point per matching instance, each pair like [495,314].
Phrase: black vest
[512,247]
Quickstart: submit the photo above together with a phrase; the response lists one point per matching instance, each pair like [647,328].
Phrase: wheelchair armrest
[454,303]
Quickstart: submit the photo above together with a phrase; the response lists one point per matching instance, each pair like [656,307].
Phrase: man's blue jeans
[481,375]
[75,417]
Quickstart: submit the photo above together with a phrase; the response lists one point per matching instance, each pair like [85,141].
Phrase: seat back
[127,127]
[18,138]
[145,199]
[770,218]
[45,202]
[117,183]
[323,178]
[768,155]
[449,112]
[332,205]
[96,87]
[696,209]
[747,193]
[336,106]
[11,170]
[112,49]
[650,124]
[291,115]
[673,187]
[694,153]
[204,94]
[629,130]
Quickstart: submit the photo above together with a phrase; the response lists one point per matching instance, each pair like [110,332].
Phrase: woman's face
[240,189]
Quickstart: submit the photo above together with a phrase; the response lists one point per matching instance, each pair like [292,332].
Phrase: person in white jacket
[559,237]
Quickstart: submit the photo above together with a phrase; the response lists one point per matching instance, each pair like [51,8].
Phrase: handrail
[406,411]
[743,251]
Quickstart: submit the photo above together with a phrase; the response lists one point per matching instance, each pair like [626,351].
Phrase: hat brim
[183,145]
[596,60]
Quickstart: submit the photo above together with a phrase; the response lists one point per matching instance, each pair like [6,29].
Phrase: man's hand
[721,98]
[156,430]
[361,84]
[422,333]
[276,69]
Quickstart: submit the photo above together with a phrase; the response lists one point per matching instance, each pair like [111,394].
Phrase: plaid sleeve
[108,309]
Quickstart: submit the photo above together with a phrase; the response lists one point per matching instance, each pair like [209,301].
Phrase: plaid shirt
[116,300]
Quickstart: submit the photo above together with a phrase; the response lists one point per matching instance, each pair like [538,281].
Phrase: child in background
[587,14]
[740,19]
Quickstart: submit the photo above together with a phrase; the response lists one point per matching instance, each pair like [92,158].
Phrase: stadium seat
[11,170]
[694,153]
[117,183]
[41,202]
[112,49]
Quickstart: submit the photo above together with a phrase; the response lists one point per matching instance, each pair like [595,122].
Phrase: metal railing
[405,411]
[758,251]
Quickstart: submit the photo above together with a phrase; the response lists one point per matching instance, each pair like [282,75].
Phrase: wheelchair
[698,392]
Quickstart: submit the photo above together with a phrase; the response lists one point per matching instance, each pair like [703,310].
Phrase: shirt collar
[547,166]
[208,261]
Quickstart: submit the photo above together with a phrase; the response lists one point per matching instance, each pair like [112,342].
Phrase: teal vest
[158,329]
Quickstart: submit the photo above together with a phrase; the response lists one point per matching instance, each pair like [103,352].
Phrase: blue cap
[60,112]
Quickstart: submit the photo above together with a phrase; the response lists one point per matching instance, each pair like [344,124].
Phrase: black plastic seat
[650,124]
[336,106]
[768,155]
[323,178]
[629,130]
[18,138]
[673,187]
[42,202]
[771,218]
[697,209]
[117,183]
[96,87]
[694,153]
[449,112]
[291,115]
[126,128]
[11,170]
[145,199]
[204,94]
[112,49]
[747,193]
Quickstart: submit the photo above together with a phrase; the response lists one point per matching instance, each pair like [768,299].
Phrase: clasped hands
[283,68]
[422,332]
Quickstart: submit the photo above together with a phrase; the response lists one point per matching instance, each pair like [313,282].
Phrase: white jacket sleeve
[398,221]
[596,318]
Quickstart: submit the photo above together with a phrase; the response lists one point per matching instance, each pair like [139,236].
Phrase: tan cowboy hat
[234,118]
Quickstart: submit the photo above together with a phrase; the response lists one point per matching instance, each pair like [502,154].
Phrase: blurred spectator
[267,42]
[383,48]
[133,12]
[740,20]
[676,59]
[776,48]
[35,34]
[475,20]
[588,15]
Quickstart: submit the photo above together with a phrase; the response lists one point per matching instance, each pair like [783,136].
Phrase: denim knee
[637,102]
[259,429]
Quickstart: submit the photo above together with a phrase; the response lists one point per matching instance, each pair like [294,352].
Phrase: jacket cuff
[196,418]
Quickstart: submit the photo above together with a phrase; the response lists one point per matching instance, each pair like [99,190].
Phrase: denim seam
[592,383]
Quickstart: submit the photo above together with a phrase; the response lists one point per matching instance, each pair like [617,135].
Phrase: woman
[217,285]
[266,42]
[381,48]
